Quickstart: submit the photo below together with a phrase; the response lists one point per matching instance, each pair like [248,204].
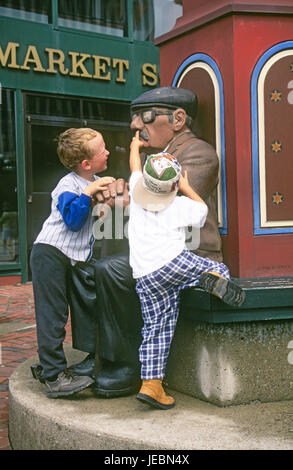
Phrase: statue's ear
[179,119]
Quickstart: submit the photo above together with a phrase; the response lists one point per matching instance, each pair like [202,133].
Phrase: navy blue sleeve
[74,209]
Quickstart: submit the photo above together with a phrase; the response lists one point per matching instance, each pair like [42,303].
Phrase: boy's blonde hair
[72,146]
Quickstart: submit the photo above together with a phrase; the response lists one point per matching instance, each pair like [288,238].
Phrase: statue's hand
[116,192]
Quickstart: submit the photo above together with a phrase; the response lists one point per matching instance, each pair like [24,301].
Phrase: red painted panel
[199,81]
[236,42]
[273,256]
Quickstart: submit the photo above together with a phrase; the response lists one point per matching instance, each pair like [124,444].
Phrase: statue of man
[163,117]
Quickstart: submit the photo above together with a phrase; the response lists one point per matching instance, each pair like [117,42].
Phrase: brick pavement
[17,342]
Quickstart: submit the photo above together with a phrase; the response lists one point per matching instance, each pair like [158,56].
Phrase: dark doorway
[43,169]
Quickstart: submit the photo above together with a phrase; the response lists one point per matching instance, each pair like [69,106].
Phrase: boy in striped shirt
[66,237]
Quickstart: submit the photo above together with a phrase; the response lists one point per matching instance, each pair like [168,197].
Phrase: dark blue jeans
[102,297]
[50,268]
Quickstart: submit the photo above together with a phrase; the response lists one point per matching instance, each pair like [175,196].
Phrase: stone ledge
[232,363]
[88,423]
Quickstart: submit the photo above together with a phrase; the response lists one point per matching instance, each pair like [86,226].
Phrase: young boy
[66,237]
[162,265]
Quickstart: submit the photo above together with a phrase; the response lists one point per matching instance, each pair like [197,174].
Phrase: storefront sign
[74,64]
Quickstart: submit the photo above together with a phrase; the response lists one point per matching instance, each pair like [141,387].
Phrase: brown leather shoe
[153,394]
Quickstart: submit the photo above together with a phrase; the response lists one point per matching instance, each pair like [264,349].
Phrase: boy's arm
[187,190]
[197,217]
[75,208]
[134,157]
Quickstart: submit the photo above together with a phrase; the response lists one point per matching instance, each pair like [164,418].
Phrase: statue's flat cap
[167,97]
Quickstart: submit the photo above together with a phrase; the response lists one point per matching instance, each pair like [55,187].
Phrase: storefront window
[46,106]
[105,111]
[153,18]
[32,10]
[8,181]
[100,16]
[76,108]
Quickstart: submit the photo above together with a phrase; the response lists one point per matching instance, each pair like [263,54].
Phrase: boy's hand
[183,182]
[187,190]
[104,182]
[136,143]
[134,157]
[98,185]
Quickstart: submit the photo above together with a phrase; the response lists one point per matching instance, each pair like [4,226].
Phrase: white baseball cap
[158,185]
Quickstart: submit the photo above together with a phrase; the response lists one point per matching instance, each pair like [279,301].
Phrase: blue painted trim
[254,139]
[200,57]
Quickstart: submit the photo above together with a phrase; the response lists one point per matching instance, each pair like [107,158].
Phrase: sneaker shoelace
[69,373]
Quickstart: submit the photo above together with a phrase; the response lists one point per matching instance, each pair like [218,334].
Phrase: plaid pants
[159,298]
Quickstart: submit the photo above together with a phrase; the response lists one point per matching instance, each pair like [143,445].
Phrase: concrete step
[84,422]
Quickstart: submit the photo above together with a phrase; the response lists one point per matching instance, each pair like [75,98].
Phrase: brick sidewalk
[17,342]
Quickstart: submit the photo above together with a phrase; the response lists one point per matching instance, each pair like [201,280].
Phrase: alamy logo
[290,355]
[114,226]
[290,94]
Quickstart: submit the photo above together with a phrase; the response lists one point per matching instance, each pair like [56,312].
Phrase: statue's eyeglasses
[149,115]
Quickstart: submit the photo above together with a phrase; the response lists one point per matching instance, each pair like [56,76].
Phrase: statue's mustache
[144,135]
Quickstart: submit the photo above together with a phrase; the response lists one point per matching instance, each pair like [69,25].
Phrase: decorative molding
[205,62]
[262,226]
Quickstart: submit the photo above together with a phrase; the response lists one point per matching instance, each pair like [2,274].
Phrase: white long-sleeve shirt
[155,238]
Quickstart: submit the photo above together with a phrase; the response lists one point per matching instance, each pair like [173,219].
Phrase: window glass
[8,181]
[100,16]
[46,106]
[105,111]
[152,18]
[143,20]
[33,10]
[77,108]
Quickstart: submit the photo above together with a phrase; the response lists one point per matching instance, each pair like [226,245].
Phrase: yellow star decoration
[291,67]
[276,95]
[276,146]
[277,198]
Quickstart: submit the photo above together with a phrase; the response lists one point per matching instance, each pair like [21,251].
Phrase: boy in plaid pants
[162,265]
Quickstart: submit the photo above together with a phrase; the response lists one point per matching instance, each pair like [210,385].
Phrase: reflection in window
[153,18]
[46,106]
[105,111]
[76,108]
[33,10]
[8,182]
[100,16]
[166,14]
[143,20]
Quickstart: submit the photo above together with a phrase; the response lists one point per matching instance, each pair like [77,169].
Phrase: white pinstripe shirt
[77,244]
